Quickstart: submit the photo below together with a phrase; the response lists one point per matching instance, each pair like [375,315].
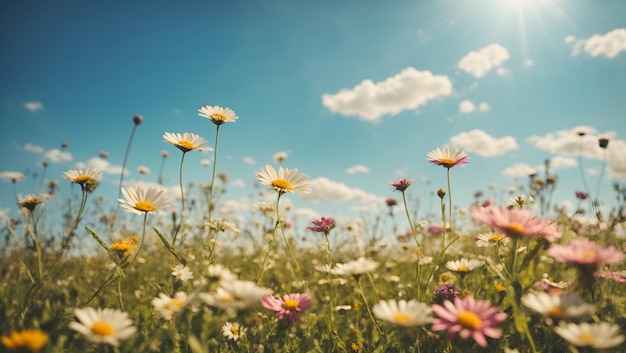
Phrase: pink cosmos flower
[401,185]
[448,157]
[515,222]
[322,225]
[435,229]
[289,306]
[585,252]
[581,195]
[468,317]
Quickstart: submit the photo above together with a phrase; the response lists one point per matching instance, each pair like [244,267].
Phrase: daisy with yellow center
[186,141]
[232,331]
[167,306]
[283,181]
[403,313]
[464,265]
[103,325]
[218,115]
[31,201]
[124,246]
[448,157]
[491,239]
[29,340]
[140,200]
[83,176]
[558,307]
[601,335]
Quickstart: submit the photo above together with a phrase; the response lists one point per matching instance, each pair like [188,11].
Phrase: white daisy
[221,273]
[31,201]
[600,335]
[279,157]
[285,180]
[187,141]
[103,325]
[558,307]
[182,272]
[491,239]
[403,313]
[355,268]
[218,115]
[13,177]
[464,265]
[142,201]
[233,330]
[82,176]
[167,306]
[235,295]
[448,157]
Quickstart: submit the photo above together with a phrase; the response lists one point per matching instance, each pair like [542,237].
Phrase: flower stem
[210,204]
[182,198]
[408,216]
[369,310]
[331,320]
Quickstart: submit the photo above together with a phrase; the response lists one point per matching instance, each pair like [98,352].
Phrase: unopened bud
[441,193]
[137,119]
[603,142]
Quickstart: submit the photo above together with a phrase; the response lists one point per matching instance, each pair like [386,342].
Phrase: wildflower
[103,325]
[13,177]
[143,201]
[435,229]
[232,330]
[29,340]
[600,335]
[218,115]
[619,276]
[289,306]
[235,295]
[220,225]
[286,180]
[557,307]
[391,202]
[603,142]
[446,292]
[355,268]
[490,239]
[441,193]
[125,246]
[468,317]
[520,201]
[584,252]
[403,313]
[448,157]
[83,176]
[138,119]
[464,265]
[279,157]
[581,195]
[221,273]
[322,225]
[515,222]
[182,272]
[401,184]
[167,306]
[30,202]
[186,141]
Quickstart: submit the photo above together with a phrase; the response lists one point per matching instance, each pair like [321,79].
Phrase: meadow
[173,276]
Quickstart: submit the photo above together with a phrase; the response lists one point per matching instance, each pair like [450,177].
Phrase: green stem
[182,198]
[143,236]
[369,311]
[449,202]
[293,256]
[210,204]
[119,293]
[408,216]
[331,321]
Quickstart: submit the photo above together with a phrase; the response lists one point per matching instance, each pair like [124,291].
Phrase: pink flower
[585,252]
[468,317]
[401,185]
[515,222]
[289,306]
[322,225]
[448,157]
[581,195]
[435,229]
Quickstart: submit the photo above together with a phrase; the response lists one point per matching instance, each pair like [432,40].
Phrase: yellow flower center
[589,255]
[495,238]
[282,184]
[234,330]
[445,277]
[499,287]
[514,229]
[185,145]
[102,328]
[291,304]
[469,319]
[401,318]
[447,161]
[462,269]
[218,116]
[145,206]
[82,179]
[556,312]
[586,337]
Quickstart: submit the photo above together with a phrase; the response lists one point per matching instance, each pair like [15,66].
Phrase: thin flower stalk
[137,119]
[367,307]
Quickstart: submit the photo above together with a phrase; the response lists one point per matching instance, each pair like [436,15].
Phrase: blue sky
[355,92]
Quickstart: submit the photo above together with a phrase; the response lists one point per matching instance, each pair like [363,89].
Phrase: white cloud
[529,62]
[479,142]
[249,160]
[33,106]
[466,107]
[570,143]
[55,155]
[230,207]
[478,63]
[405,91]
[306,213]
[102,165]
[520,170]
[483,107]
[33,148]
[238,183]
[562,162]
[323,189]
[504,72]
[609,44]
[359,168]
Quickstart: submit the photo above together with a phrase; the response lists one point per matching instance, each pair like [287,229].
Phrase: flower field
[175,276]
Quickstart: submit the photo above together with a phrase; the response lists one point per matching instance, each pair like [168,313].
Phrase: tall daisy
[218,115]
[283,181]
[83,176]
[103,325]
[468,317]
[141,201]
[31,201]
